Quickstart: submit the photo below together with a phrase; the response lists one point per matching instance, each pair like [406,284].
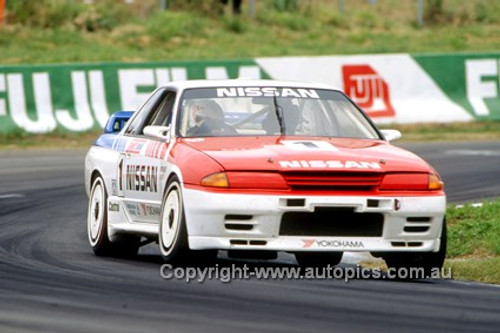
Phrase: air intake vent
[238,226]
[405,244]
[341,181]
[258,242]
[238,242]
[418,219]
[328,221]
[238,222]
[416,228]
[295,202]
[238,217]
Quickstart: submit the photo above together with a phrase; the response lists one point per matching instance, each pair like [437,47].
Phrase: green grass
[488,130]
[63,31]
[477,130]
[59,140]
[485,270]
[474,231]
[474,242]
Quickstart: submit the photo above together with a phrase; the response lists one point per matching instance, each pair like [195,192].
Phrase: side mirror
[160,132]
[390,134]
[117,121]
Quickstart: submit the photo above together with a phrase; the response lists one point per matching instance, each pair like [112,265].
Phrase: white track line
[10,196]
[475,205]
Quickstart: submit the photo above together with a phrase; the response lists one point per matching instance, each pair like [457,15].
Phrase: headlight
[257,180]
[246,180]
[435,182]
[218,179]
[411,182]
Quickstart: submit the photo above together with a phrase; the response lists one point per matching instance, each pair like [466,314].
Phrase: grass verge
[474,242]
[54,31]
[486,130]
[469,131]
[59,140]
[485,270]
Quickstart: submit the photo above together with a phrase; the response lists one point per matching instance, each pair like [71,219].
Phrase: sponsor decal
[266,92]
[330,164]
[152,148]
[120,143]
[143,209]
[149,210]
[309,145]
[133,209]
[135,146]
[114,187]
[156,149]
[308,243]
[368,89]
[142,178]
[114,207]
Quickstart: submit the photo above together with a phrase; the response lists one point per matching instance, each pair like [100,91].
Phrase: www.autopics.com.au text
[227,274]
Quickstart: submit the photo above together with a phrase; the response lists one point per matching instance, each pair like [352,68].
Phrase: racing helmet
[207,109]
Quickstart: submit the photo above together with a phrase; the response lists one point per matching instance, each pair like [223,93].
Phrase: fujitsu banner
[391,88]
[80,97]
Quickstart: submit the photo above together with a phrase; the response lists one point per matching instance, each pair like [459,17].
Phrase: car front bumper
[253,222]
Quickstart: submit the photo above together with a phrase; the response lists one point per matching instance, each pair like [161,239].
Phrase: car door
[143,166]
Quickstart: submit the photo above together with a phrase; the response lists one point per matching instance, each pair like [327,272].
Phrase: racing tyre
[173,237]
[318,259]
[97,226]
[426,260]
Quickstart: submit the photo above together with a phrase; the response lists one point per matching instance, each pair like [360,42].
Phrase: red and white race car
[259,167]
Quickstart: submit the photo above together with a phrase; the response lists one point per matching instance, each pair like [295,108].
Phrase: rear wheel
[318,259]
[428,261]
[97,226]
[173,237]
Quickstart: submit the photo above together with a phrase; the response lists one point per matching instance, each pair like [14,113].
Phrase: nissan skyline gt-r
[258,167]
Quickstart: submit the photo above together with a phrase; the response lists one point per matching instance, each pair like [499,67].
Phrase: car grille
[331,181]
[326,221]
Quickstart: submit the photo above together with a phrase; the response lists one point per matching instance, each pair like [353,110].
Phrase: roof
[247,83]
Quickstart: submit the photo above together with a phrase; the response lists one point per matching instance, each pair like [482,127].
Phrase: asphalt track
[51,282]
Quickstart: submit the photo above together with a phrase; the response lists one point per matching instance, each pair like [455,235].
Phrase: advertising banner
[391,88]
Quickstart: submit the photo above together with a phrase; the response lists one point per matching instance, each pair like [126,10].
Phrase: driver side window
[162,116]
[141,115]
[158,111]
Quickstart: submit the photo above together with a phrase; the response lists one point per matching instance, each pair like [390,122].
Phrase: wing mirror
[117,121]
[391,135]
[160,132]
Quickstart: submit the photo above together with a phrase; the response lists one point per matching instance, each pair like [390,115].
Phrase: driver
[209,120]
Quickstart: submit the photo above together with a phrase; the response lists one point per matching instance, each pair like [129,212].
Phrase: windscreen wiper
[279,115]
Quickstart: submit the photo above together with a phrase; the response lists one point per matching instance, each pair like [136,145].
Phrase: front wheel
[173,237]
[97,226]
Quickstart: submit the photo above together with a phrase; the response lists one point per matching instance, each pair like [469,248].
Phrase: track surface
[51,282]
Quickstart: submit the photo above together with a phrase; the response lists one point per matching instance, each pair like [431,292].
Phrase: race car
[256,167]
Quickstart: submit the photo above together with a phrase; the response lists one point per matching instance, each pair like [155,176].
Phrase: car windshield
[270,111]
